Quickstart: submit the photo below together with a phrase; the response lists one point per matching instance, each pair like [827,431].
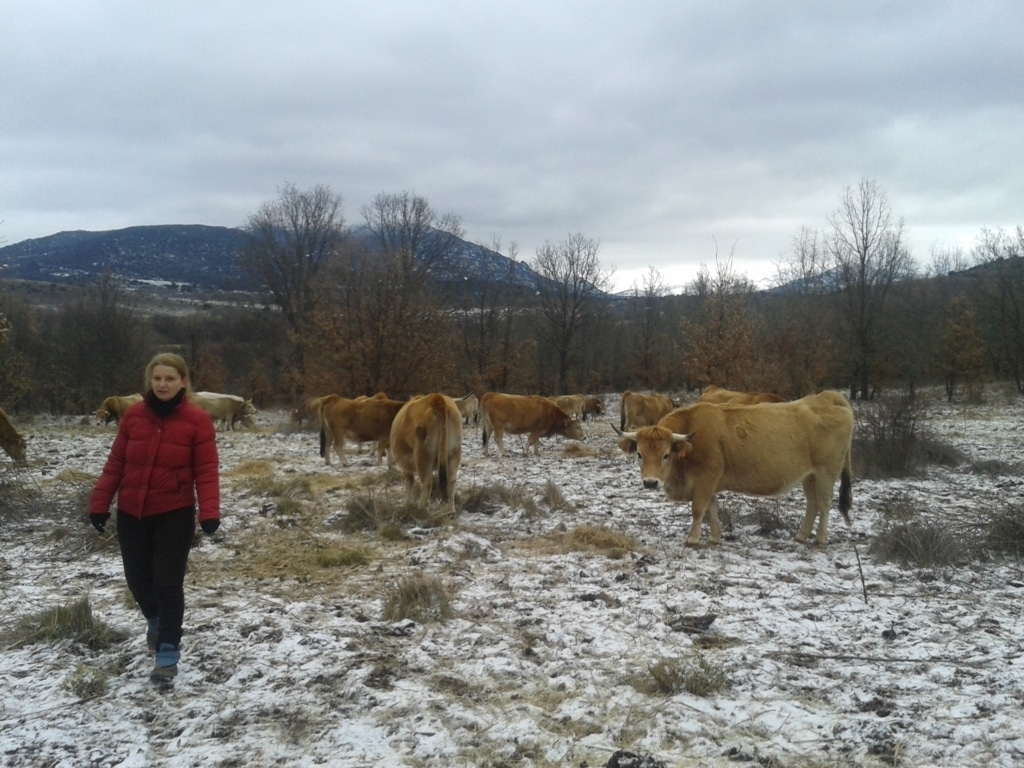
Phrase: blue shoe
[166,664]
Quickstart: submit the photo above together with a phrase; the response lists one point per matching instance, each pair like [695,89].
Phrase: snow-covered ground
[830,657]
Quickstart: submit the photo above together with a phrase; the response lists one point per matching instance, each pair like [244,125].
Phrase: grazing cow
[226,409]
[761,450]
[364,419]
[525,414]
[571,404]
[638,410]
[113,408]
[310,407]
[469,408]
[12,442]
[593,406]
[713,394]
[426,439]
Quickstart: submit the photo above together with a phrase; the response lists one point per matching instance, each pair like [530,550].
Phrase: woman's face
[166,382]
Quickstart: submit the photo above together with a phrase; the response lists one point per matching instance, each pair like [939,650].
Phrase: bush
[906,536]
[1005,532]
[889,437]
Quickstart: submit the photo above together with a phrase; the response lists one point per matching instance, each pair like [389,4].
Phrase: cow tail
[442,449]
[323,426]
[846,487]
[485,428]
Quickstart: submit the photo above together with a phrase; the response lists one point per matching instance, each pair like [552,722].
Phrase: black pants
[154,551]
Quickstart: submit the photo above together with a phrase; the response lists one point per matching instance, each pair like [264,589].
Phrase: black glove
[209,526]
[99,522]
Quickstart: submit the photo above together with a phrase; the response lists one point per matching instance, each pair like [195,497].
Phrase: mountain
[193,257]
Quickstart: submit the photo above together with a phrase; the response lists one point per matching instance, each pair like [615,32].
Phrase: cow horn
[682,438]
[620,433]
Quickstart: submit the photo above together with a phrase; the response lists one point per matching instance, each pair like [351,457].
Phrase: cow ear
[627,446]
[682,444]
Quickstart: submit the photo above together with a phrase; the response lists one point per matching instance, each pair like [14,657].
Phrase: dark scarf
[164,408]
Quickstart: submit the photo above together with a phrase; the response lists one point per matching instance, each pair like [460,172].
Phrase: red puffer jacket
[159,465]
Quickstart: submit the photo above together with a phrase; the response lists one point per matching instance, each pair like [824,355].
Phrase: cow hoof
[693,544]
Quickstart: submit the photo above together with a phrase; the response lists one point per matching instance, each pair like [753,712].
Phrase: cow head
[15,448]
[659,452]
[573,429]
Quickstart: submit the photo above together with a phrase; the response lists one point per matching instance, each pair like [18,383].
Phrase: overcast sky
[656,128]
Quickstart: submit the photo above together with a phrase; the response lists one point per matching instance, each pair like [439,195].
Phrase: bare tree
[385,328]
[288,244]
[1000,300]
[649,331]
[720,341]
[572,281]
[867,256]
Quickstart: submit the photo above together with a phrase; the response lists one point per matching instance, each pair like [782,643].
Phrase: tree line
[850,309]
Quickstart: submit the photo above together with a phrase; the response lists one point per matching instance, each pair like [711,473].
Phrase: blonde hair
[171,360]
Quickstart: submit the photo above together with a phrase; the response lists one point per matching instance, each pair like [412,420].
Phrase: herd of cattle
[749,443]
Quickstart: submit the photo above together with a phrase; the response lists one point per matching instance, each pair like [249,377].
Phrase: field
[555,621]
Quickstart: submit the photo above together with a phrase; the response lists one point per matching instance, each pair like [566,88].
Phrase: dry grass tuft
[672,675]
[73,621]
[588,539]
[421,598]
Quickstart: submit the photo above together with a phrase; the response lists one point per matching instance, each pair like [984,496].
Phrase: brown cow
[713,394]
[571,404]
[113,407]
[364,419]
[308,411]
[12,442]
[638,410]
[426,438]
[593,406]
[761,450]
[525,414]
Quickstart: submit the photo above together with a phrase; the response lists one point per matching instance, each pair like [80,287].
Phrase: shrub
[1005,532]
[908,537]
[888,440]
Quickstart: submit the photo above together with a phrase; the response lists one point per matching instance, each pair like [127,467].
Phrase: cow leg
[702,501]
[714,522]
[534,440]
[499,440]
[817,508]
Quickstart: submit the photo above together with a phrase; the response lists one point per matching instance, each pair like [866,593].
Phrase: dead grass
[422,597]
[588,539]
[72,621]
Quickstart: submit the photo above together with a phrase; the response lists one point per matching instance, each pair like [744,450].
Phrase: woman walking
[163,459]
